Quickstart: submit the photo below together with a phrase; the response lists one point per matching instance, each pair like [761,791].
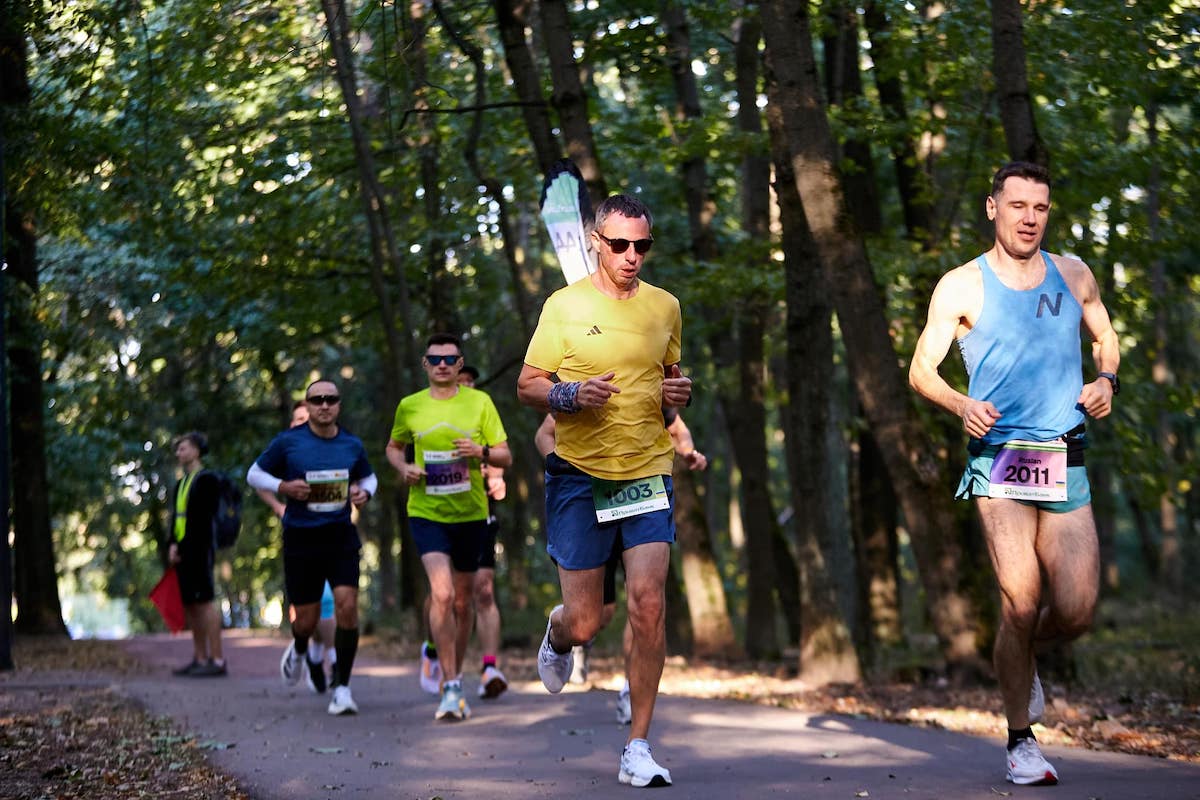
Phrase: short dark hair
[1019,169]
[469,370]
[308,388]
[444,338]
[625,205]
[196,438]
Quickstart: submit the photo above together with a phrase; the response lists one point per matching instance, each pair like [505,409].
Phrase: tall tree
[747,424]
[912,463]
[35,582]
[512,17]
[1012,84]
[570,99]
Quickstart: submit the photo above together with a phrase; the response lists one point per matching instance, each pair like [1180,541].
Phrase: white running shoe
[553,668]
[1037,700]
[492,683]
[431,673]
[291,666]
[453,707]
[624,709]
[639,769]
[342,702]
[1028,767]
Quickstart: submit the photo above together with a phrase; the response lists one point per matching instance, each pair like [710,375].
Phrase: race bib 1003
[1030,471]
[329,489]
[621,499]
[446,472]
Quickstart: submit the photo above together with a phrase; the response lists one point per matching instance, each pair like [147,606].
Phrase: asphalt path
[281,744]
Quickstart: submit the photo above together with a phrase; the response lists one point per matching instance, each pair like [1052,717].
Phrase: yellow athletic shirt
[583,333]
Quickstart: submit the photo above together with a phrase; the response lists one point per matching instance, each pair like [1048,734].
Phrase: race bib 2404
[329,489]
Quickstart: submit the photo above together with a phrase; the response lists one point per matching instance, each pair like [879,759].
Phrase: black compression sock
[345,643]
[1016,735]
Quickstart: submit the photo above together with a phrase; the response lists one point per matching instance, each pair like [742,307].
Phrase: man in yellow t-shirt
[453,429]
[613,342]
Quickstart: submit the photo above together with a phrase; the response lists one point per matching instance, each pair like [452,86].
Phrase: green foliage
[204,250]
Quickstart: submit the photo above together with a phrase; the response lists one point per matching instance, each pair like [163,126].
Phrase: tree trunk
[569,97]
[1171,556]
[712,630]
[915,195]
[512,17]
[514,258]
[747,427]
[826,647]
[843,86]
[401,357]
[876,548]
[443,309]
[912,464]
[35,578]
[1012,84]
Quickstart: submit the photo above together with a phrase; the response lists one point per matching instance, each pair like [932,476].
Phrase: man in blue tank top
[1016,313]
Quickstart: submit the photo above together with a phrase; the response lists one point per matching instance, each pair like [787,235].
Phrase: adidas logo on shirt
[595,331]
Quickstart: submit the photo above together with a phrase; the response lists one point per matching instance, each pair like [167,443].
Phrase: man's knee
[1071,623]
[485,595]
[580,627]
[442,595]
[647,605]
[1020,614]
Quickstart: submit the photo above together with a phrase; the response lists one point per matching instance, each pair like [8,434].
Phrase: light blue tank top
[1024,356]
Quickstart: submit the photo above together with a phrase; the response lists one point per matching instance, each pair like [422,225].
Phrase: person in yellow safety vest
[191,552]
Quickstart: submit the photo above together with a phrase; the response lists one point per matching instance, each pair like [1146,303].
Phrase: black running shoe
[188,669]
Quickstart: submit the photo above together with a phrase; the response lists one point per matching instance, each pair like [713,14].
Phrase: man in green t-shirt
[453,430]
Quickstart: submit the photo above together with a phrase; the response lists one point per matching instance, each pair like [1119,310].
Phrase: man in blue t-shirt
[322,470]
[1015,313]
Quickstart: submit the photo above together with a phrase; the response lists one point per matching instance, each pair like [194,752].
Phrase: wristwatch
[488,451]
[1113,379]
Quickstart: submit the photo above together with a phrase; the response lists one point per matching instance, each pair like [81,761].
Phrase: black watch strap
[1112,378]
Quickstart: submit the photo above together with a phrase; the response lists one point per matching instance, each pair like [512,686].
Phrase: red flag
[165,596]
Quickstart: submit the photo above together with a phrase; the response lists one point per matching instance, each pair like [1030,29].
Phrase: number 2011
[1023,474]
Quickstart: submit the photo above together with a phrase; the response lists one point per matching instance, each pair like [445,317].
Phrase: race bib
[621,499]
[1030,471]
[329,489]
[446,472]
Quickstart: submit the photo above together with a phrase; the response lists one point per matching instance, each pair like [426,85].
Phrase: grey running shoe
[1028,767]
[1037,700]
[553,668]
[639,769]
[624,709]
[290,668]
[579,667]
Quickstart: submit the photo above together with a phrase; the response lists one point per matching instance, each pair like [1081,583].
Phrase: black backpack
[227,521]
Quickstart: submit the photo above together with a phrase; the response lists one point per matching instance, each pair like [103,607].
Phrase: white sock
[625,687]
[316,652]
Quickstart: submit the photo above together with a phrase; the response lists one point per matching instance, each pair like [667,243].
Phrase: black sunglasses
[323,399]
[436,360]
[640,246]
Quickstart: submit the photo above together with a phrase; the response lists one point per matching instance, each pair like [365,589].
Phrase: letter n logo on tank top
[1053,308]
